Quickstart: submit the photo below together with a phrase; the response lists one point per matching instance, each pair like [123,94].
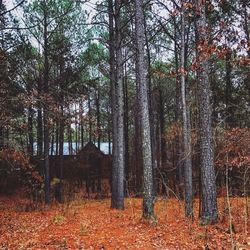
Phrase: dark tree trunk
[137,148]
[152,112]
[30,131]
[70,148]
[118,119]
[57,139]
[82,137]
[163,148]
[196,116]
[81,125]
[247,35]
[209,211]
[1,138]
[187,148]
[52,141]
[229,108]
[154,138]
[76,130]
[90,118]
[178,114]
[98,122]
[141,78]
[137,153]
[61,142]
[46,108]
[109,127]
[113,92]
[126,127]
[39,122]
[245,7]
[60,128]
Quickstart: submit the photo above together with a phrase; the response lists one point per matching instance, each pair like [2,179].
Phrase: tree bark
[46,107]
[126,127]
[109,126]
[187,148]
[90,117]
[178,163]
[52,141]
[229,90]
[1,137]
[141,78]
[117,199]
[39,121]
[153,116]
[30,131]
[57,138]
[98,119]
[76,130]
[81,124]
[209,212]
[61,142]
[70,147]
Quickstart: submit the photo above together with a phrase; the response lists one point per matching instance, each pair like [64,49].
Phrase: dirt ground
[91,224]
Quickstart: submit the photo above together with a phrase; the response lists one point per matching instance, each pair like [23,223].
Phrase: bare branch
[7,11]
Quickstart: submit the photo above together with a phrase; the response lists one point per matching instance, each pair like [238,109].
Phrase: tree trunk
[162,143]
[90,117]
[209,212]
[229,109]
[70,148]
[126,127]
[30,131]
[1,138]
[109,127]
[137,153]
[46,108]
[118,120]
[187,148]
[76,130]
[52,141]
[148,187]
[57,138]
[152,113]
[61,142]
[247,36]
[178,114]
[98,122]
[39,122]
[81,124]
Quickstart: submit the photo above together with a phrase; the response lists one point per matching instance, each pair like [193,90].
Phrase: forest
[125,124]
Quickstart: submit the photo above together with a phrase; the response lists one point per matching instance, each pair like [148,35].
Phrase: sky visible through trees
[127,102]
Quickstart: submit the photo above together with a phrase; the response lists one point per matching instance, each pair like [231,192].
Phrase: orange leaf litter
[91,224]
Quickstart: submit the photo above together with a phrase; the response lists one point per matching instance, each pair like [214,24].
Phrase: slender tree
[39,119]
[186,128]
[141,78]
[117,200]
[46,105]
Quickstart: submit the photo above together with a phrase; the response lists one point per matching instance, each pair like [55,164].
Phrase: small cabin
[90,156]
[88,170]
[95,167]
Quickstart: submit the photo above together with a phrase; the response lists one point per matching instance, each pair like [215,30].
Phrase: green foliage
[94,54]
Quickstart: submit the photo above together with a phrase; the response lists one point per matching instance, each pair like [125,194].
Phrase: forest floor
[91,224]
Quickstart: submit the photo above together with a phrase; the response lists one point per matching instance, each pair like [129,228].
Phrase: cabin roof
[90,147]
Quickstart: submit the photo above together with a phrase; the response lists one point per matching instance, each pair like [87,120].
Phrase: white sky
[11,3]
[89,6]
